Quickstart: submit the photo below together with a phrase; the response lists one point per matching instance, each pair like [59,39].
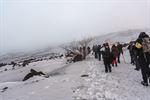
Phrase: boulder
[32,73]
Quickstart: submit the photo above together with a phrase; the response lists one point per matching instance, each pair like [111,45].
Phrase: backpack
[146,44]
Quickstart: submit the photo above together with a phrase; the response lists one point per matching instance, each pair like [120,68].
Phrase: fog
[30,24]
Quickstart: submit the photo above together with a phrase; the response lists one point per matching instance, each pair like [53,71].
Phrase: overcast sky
[30,24]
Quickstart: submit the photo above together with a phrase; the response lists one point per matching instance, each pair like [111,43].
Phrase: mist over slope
[65,81]
[123,37]
[43,53]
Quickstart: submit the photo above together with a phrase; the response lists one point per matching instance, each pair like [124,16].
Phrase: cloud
[37,23]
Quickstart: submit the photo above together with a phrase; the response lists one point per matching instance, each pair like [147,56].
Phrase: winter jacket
[114,51]
[142,57]
[107,56]
[99,48]
[131,49]
[119,46]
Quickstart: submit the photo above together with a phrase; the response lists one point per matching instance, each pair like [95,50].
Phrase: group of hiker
[111,56]
[139,52]
[140,56]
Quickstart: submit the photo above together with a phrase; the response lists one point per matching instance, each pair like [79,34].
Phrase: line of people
[110,56]
[97,51]
[139,52]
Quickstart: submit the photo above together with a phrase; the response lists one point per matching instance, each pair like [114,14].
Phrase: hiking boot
[144,83]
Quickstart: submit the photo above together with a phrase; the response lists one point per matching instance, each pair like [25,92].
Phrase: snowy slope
[52,51]
[65,81]
[19,72]
[59,87]
[122,37]
[122,84]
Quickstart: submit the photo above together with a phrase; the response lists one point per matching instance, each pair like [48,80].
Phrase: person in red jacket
[114,52]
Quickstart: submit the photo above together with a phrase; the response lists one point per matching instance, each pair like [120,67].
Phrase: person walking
[107,58]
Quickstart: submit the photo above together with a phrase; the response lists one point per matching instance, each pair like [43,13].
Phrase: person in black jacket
[130,48]
[145,70]
[119,46]
[137,65]
[107,58]
[95,51]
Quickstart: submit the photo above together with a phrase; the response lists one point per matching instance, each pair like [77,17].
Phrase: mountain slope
[65,81]
[123,37]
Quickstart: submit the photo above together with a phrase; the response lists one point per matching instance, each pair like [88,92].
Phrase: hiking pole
[124,59]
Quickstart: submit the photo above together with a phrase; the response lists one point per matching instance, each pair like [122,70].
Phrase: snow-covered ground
[56,87]
[65,81]
[122,84]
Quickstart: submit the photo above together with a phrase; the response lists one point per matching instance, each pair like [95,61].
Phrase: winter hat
[139,40]
[142,33]
[113,46]
[106,45]
[138,43]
